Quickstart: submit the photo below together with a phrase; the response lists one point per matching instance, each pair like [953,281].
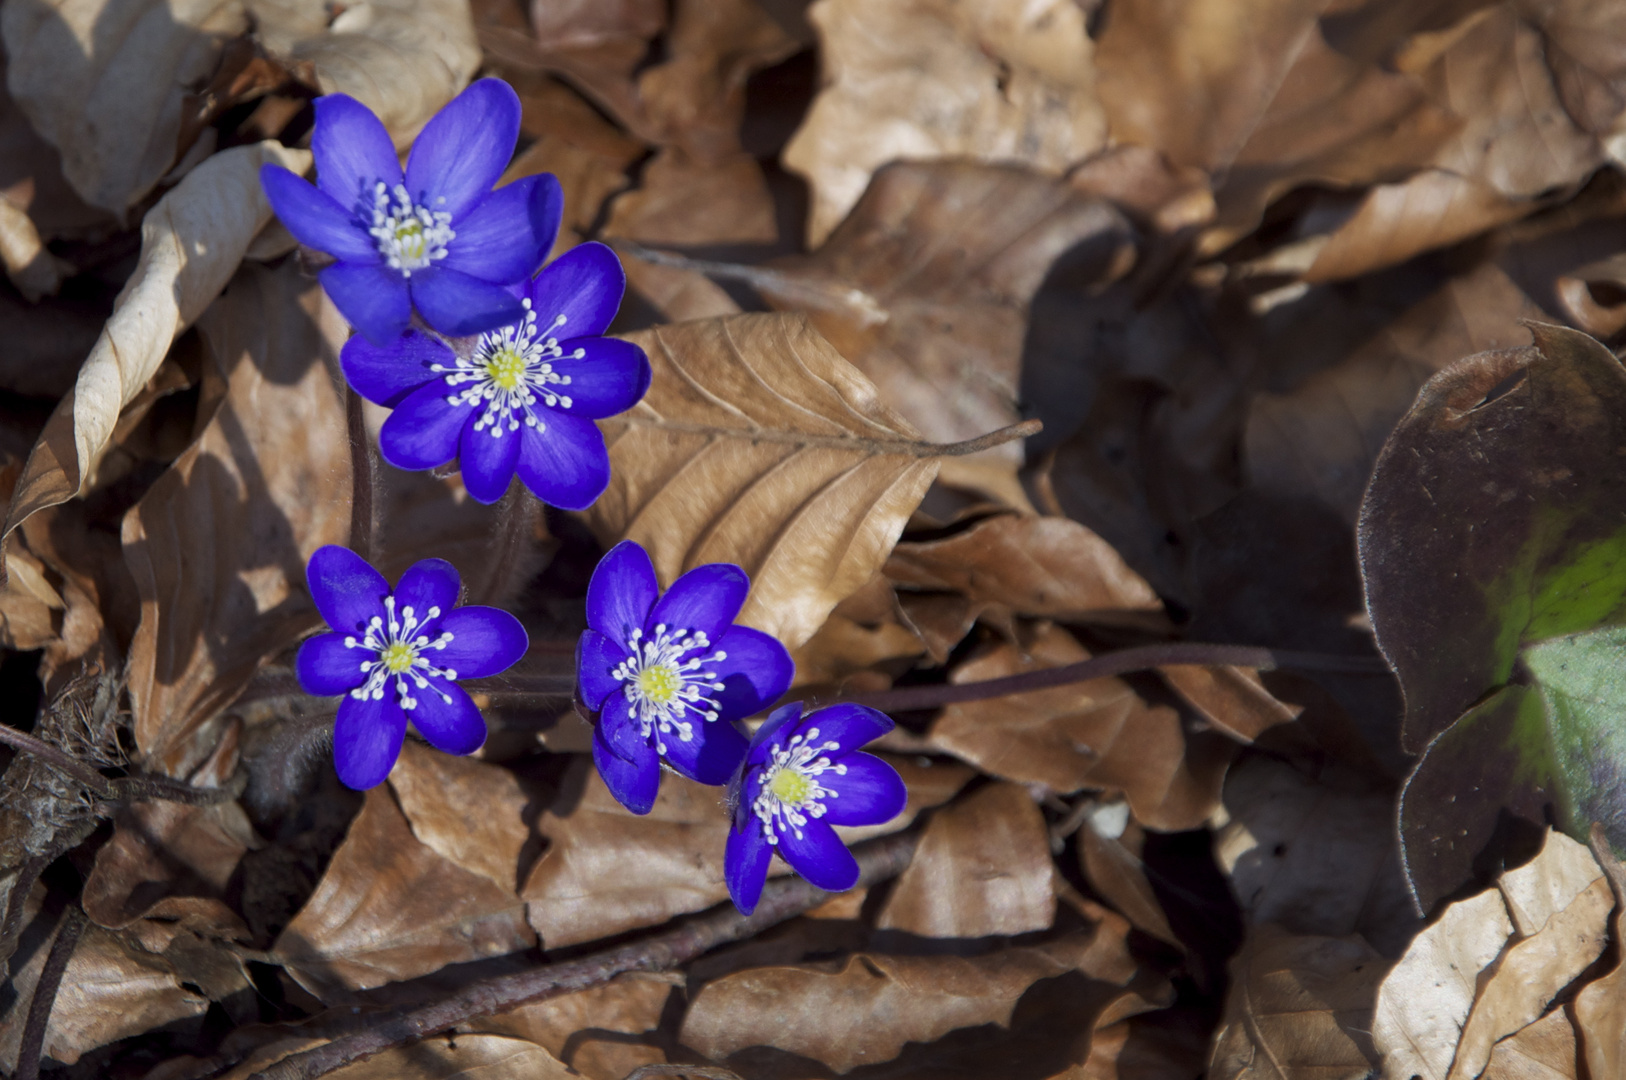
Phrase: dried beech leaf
[1299,1008]
[1233,699]
[1003,81]
[596,1032]
[1545,1050]
[218,545]
[463,1057]
[589,156]
[678,294]
[1098,734]
[389,908]
[1600,1007]
[982,868]
[1109,853]
[1046,566]
[466,811]
[758,445]
[926,287]
[864,1011]
[865,630]
[191,243]
[33,269]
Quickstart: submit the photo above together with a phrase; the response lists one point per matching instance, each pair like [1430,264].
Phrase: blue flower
[397,656]
[668,675]
[801,776]
[520,398]
[437,236]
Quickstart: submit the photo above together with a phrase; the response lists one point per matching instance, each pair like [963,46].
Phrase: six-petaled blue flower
[396,657]
[521,398]
[435,236]
[668,675]
[801,776]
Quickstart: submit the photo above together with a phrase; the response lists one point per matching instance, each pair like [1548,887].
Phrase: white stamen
[509,371]
[663,687]
[410,237]
[791,792]
[397,649]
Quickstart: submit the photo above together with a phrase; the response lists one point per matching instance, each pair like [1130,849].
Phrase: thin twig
[363,477]
[39,1008]
[1120,662]
[782,899]
[58,759]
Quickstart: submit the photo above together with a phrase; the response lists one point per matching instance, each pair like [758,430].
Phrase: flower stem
[364,478]
[69,928]
[782,899]
[506,561]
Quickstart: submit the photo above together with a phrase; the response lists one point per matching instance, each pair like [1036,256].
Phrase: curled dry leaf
[865,631]
[218,545]
[982,868]
[758,445]
[33,269]
[1299,1008]
[1004,81]
[389,908]
[191,243]
[926,286]
[1491,964]
[1098,734]
[461,1057]
[603,1033]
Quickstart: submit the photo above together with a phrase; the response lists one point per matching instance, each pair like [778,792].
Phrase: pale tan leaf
[1298,1009]
[191,243]
[464,1057]
[218,545]
[758,445]
[603,1033]
[982,868]
[1004,81]
[1600,1007]
[466,811]
[34,270]
[1545,1050]
[1231,698]
[389,908]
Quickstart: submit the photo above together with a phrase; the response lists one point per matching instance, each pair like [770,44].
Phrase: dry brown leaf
[463,1057]
[1109,854]
[1600,1007]
[1231,698]
[191,243]
[596,1032]
[389,908]
[1545,1050]
[982,868]
[1315,855]
[1047,566]
[1298,1009]
[593,43]
[758,445]
[218,545]
[865,1010]
[31,177]
[677,293]
[466,811]
[33,269]
[607,871]
[1098,734]
[926,286]
[687,201]
[589,156]
[864,631]
[930,79]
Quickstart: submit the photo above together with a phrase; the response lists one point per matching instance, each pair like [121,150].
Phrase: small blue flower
[801,776]
[397,656]
[521,398]
[668,675]
[436,236]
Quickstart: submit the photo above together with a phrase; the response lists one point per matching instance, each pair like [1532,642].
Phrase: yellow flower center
[659,683]
[506,368]
[790,786]
[398,657]
[409,239]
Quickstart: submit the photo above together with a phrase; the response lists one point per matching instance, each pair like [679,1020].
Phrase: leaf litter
[992,342]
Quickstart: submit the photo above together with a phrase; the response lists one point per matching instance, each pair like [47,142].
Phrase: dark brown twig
[39,1008]
[363,478]
[1120,662]
[782,899]
[59,760]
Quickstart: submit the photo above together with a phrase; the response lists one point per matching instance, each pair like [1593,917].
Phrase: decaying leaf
[603,1033]
[466,811]
[758,445]
[191,243]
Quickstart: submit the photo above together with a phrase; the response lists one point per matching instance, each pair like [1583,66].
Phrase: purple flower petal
[367,739]
[585,285]
[423,431]
[565,465]
[456,304]
[711,756]
[315,219]
[745,864]
[428,584]
[464,149]
[621,592]
[326,667]
[373,299]
[779,726]
[634,781]
[485,640]
[348,592]
[706,598]
[755,674]
[487,460]
[353,153]
[870,793]
[819,856]
[851,726]
[621,731]
[609,378]
[596,657]
[385,374]
[506,237]
[452,726]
